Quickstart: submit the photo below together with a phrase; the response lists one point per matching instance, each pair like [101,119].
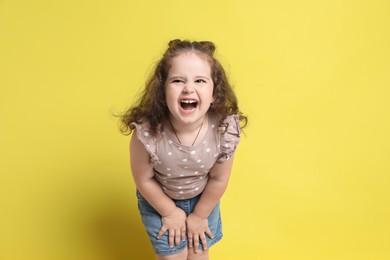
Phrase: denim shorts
[153,223]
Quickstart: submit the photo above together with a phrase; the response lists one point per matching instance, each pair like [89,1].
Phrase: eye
[177,81]
[200,81]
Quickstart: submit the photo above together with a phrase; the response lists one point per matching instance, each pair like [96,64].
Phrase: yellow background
[311,176]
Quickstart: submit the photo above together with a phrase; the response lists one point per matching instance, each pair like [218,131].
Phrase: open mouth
[188,104]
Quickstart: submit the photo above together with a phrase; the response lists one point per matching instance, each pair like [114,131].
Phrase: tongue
[188,106]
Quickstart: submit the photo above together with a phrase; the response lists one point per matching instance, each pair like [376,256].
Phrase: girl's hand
[175,223]
[197,228]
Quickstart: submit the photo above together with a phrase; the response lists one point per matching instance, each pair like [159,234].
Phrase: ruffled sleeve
[147,139]
[229,132]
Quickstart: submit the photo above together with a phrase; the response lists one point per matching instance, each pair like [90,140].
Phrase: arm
[173,218]
[197,223]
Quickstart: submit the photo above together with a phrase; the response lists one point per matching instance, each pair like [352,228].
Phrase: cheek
[212,93]
[170,96]
[168,92]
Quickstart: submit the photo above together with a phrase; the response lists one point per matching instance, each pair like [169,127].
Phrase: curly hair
[151,106]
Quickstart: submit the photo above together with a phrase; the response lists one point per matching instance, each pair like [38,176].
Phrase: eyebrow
[204,77]
[181,77]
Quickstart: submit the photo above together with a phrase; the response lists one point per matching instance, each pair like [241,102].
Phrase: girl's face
[189,88]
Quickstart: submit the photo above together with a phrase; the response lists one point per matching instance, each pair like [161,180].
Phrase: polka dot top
[183,171]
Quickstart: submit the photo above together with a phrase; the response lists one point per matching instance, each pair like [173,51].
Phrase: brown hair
[151,106]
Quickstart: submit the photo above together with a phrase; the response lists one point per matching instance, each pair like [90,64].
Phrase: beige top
[183,171]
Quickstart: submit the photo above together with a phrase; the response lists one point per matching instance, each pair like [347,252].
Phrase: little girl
[187,127]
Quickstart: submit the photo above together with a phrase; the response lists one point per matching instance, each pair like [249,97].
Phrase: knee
[200,255]
[180,256]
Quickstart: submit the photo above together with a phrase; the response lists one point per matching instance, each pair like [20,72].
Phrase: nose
[188,88]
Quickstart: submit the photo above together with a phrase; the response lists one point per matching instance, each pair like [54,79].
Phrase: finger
[177,237]
[190,240]
[171,237]
[203,241]
[196,243]
[209,233]
[161,232]
[183,234]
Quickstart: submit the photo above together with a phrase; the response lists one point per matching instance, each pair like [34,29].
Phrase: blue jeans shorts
[153,223]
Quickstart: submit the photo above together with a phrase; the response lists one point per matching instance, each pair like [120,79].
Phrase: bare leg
[180,256]
[201,255]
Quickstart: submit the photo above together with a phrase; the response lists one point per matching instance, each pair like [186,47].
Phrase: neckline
[197,133]
[171,136]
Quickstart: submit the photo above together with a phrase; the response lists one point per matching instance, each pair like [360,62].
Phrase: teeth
[188,101]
